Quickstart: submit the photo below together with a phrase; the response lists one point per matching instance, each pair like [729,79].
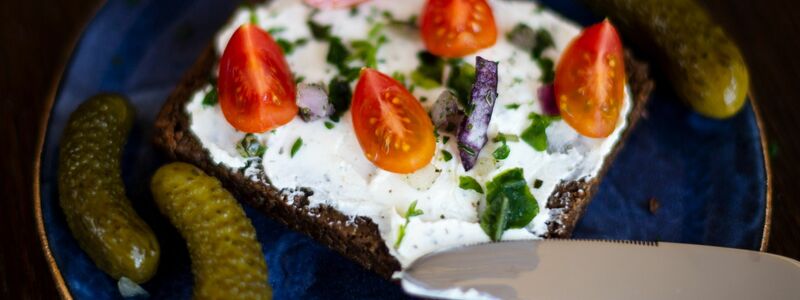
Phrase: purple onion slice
[445,113]
[472,132]
[547,100]
[313,102]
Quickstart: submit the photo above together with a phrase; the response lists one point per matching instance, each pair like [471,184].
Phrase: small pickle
[704,65]
[92,194]
[227,261]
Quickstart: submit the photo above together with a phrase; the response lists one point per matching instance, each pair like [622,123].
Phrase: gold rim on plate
[61,285]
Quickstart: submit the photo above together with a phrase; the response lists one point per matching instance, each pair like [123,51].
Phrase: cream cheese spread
[332,164]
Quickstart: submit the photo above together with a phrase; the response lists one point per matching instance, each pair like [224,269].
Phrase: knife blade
[586,269]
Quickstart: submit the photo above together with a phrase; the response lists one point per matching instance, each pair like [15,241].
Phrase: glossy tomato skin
[590,81]
[456,28]
[256,89]
[392,127]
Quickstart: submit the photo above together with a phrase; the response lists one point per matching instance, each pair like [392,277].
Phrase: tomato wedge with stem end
[455,28]
[392,127]
[255,86]
[590,81]
[330,4]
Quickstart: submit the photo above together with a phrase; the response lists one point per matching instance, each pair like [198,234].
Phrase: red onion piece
[313,102]
[472,132]
[547,100]
[445,113]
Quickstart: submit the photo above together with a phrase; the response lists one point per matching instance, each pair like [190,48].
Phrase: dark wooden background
[37,36]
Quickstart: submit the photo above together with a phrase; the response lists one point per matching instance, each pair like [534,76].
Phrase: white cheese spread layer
[331,163]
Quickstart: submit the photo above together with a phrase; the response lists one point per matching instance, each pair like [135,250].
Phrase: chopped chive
[446,155]
[537,183]
[329,125]
[296,146]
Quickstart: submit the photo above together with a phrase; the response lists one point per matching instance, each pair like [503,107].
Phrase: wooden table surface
[37,37]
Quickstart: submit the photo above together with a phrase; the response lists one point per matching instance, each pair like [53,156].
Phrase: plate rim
[55,88]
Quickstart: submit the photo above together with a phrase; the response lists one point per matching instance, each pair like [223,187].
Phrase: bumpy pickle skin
[92,194]
[227,261]
[704,65]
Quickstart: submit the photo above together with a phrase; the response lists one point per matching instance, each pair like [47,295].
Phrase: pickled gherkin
[92,194]
[227,261]
[704,65]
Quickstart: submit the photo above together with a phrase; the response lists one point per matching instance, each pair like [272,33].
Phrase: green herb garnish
[329,125]
[211,97]
[445,139]
[276,30]
[535,134]
[537,183]
[501,152]
[548,70]
[412,211]
[429,73]
[411,22]
[318,31]
[339,94]
[296,146]
[286,46]
[250,147]
[544,41]
[509,204]
[446,155]
[469,183]
[512,106]
[462,76]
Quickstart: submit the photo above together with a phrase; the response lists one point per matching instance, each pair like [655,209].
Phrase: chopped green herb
[296,146]
[329,125]
[318,31]
[299,79]
[429,73]
[339,94]
[548,71]
[411,22]
[445,139]
[509,204]
[512,106]
[543,41]
[400,77]
[501,152]
[337,53]
[535,135]
[412,211]
[286,46]
[502,137]
[211,97]
[276,30]
[353,11]
[462,76]
[423,99]
[253,15]
[537,183]
[422,81]
[469,183]
[446,155]
[250,147]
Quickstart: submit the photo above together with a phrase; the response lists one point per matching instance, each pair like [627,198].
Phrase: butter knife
[587,269]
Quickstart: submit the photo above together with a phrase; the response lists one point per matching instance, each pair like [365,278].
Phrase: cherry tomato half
[454,28]
[393,129]
[329,4]
[256,89]
[590,81]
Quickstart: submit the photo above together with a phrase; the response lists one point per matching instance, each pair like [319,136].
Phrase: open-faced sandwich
[389,129]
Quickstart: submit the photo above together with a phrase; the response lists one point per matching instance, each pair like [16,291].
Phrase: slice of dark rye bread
[356,238]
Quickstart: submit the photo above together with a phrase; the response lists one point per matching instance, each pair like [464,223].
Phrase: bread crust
[356,238]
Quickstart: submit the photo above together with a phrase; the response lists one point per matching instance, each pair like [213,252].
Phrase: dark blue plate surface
[708,176]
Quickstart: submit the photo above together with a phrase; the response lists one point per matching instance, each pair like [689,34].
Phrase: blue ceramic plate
[709,176]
